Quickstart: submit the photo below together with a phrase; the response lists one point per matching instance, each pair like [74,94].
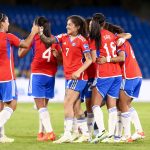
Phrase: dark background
[132,15]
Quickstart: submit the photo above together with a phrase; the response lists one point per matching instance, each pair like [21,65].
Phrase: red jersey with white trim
[107,49]
[43,61]
[73,54]
[130,68]
[7,41]
[91,70]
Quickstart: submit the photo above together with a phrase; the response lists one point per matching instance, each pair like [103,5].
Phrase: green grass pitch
[23,127]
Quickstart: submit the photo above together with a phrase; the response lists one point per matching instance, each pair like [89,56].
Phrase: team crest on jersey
[64,43]
[86,46]
[73,44]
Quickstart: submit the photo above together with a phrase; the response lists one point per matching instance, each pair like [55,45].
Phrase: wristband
[108,58]
[121,41]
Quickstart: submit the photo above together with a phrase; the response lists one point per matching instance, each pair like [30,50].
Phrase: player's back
[43,59]
[108,49]
[130,68]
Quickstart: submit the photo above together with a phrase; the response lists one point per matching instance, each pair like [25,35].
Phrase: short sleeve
[14,40]
[59,38]
[56,46]
[92,45]
[85,46]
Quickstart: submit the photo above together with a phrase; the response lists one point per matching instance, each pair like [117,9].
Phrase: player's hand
[54,52]
[35,29]
[101,60]
[75,75]
[120,41]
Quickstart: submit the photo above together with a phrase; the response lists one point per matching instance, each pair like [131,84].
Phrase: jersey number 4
[47,54]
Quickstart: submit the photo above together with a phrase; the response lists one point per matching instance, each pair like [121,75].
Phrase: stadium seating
[23,16]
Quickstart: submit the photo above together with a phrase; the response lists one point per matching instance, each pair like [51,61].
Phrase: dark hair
[42,21]
[79,21]
[113,28]
[88,23]
[98,21]
[2,17]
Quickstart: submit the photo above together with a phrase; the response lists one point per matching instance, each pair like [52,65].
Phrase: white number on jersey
[113,49]
[47,54]
[67,50]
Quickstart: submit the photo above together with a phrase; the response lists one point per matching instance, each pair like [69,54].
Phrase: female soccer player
[8,89]
[130,87]
[42,80]
[76,59]
[108,81]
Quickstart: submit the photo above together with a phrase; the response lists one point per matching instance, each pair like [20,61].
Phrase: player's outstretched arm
[125,35]
[45,39]
[22,52]
[122,38]
[27,42]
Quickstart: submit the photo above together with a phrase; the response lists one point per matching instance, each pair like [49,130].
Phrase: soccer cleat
[83,138]
[75,136]
[5,139]
[64,139]
[100,137]
[138,135]
[126,140]
[48,137]
[109,139]
[117,139]
[40,136]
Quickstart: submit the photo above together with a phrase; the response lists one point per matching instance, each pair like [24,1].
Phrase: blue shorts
[131,87]
[108,86]
[8,91]
[87,92]
[76,85]
[41,86]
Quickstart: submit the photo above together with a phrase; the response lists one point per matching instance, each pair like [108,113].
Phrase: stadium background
[133,16]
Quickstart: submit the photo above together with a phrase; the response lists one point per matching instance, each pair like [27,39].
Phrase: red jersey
[130,68]
[107,49]
[91,70]
[73,54]
[43,60]
[7,41]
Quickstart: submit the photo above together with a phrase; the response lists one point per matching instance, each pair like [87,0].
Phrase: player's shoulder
[10,35]
[107,35]
[62,35]
[80,37]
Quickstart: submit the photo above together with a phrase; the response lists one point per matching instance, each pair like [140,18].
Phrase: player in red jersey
[42,80]
[130,87]
[76,59]
[108,81]
[8,89]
